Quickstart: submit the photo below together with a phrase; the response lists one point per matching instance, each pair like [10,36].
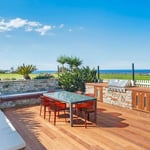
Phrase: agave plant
[25,70]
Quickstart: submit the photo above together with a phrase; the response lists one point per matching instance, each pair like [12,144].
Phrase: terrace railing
[142,83]
[138,83]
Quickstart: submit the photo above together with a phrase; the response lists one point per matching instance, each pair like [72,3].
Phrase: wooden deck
[117,129]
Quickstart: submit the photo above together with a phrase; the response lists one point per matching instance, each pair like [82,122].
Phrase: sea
[112,71]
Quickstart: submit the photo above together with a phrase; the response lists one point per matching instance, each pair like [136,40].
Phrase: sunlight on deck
[117,128]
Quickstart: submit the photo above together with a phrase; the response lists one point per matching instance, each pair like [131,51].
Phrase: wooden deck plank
[117,128]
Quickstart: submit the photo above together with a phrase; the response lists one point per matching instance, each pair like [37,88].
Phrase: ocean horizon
[110,71]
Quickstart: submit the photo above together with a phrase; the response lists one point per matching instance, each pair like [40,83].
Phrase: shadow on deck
[116,128]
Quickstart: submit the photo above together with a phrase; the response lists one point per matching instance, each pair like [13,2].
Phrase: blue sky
[110,33]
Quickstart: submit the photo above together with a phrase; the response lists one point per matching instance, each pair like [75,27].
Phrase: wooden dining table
[71,98]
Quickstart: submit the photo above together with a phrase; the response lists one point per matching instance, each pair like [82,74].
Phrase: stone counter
[122,99]
[133,98]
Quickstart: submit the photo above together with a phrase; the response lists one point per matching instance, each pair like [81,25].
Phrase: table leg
[71,115]
[95,110]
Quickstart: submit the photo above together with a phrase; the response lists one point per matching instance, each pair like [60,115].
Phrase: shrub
[75,80]
[44,76]
[25,70]
[6,78]
[13,78]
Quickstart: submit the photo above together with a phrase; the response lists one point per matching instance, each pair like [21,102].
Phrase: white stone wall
[89,89]
[118,98]
[115,98]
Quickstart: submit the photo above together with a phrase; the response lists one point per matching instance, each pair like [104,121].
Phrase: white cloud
[11,24]
[33,23]
[16,23]
[3,26]
[44,29]
[2,22]
[27,26]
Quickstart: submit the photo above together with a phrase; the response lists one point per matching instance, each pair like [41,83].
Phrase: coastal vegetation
[68,65]
[15,76]
[125,76]
[72,62]
[25,70]
[71,76]
[75,80]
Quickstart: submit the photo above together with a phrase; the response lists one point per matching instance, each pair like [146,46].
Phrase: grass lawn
[10,76]
[125,76]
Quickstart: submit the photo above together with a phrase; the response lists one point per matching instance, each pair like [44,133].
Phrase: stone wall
[21,86]
[122,99]
[89,89]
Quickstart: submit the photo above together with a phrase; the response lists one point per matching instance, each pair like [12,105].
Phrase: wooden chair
[87,108]
[44,104]
[56,107]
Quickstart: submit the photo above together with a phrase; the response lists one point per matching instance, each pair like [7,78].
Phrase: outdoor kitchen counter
[137,98]
[102,84]
[140,89]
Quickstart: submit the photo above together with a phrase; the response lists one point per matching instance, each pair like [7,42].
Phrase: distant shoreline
[111,71]
[44,71]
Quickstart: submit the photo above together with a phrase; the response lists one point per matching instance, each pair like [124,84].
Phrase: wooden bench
[10,138]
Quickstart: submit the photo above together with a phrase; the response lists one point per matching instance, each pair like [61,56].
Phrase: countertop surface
[133,88]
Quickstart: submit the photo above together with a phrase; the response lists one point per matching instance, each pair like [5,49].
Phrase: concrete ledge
[17,96]
[10,138]
[20,99]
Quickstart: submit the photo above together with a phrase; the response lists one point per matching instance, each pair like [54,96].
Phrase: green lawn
[14,76]
[125,76]
[102,76]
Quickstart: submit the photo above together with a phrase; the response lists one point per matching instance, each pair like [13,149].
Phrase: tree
[70,62]
[25,70]
[77,62]
[73,62]
[62,60]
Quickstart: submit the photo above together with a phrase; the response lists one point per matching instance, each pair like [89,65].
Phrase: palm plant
[74,62]
[77,62]
[62,60]
[25,70]
[70,62]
